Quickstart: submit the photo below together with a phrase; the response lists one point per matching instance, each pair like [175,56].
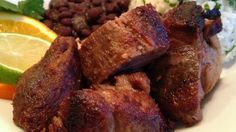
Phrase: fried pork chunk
[192,65]
[42,88]
[124,107]
[128,42]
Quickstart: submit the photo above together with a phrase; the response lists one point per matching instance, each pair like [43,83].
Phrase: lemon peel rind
[20,18]
[27,36]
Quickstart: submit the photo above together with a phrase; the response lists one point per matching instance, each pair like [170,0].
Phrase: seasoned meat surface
[179,91]
[211,64]
[109,108]
[49,96]
[190,68]
[41,88]
[138,81]
[128,42]
[212,27]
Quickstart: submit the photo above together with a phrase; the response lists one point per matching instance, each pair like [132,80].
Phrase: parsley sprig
[32,8]
[232,3]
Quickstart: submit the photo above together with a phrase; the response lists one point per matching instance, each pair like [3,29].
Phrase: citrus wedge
[14,23]
[18,53]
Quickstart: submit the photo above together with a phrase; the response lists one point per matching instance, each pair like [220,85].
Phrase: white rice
[160,5]
[227,36]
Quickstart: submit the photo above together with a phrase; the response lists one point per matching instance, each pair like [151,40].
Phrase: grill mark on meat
[149,20]
[188,15]
[122,44]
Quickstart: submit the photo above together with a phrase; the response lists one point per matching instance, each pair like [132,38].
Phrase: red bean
[49,23]
[52,14]
[96,2]
[111,16]
[62,30]
[94,12]
[78,1]
[66,21]
[123,3]
[95,27]
[79,23]
[86,32]
[63,9]
[102,19]
[110,7]
[78,8]
[65,14]
[58,3]
[85,4]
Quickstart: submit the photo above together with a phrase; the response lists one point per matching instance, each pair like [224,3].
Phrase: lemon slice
[18,53]
[14,23]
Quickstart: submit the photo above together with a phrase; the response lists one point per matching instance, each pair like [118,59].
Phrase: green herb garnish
[206,7]
[7,6]
[217,6]
[172,4]
[232,3]
[32,8]
[167,1]
[230,50]
[144,1]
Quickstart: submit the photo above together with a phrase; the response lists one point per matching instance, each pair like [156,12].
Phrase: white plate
[219,107]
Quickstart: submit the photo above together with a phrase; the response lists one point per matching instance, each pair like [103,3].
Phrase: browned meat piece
[179,91]
[41,88]
[109,108]
[212,64]
[212,27]
[131,41]
[138,81]
[190,68]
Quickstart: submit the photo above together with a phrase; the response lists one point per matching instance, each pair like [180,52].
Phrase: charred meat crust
[130,41]
[188,14]
[192,65]
[179,90]
[48,95]
[41,88]
[117,108]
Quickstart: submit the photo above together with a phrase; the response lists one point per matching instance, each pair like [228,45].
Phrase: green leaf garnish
[217,6]
[172,4]
[32,8]
[232,3]
[206,7]
[7,6]
[167,1]
[230,50]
